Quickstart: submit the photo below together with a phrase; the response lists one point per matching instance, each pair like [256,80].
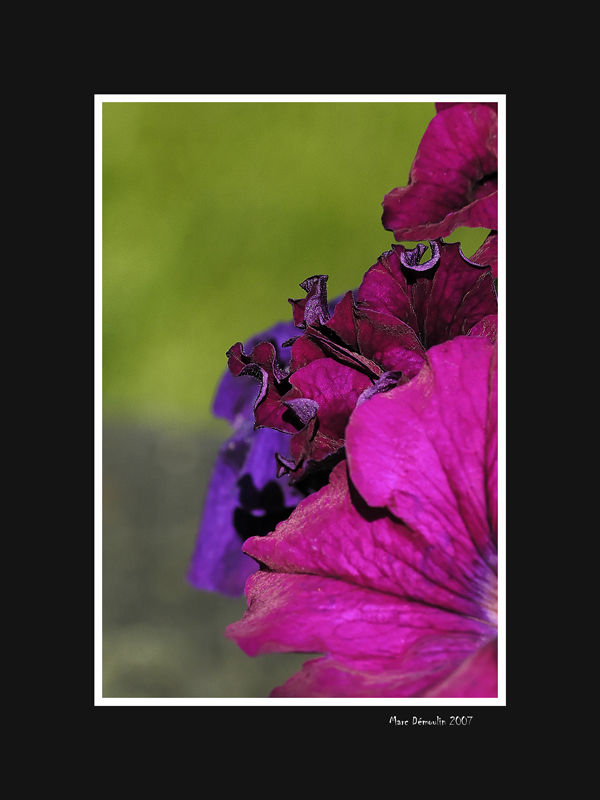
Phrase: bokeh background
[212,214]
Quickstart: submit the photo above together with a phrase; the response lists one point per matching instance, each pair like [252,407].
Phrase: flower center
[489,599]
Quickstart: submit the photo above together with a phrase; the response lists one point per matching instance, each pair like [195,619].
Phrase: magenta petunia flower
[453,181]
[390,571]
[244,497]
[375,339]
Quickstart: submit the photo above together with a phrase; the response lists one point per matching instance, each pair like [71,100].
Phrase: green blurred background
[212,214]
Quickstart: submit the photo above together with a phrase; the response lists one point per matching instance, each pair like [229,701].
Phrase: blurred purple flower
[453,181]
[390,571]
[244,497]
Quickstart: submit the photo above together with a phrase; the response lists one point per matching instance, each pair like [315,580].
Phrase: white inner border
[392,703]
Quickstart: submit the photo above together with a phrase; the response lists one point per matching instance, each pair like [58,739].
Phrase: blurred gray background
[161,637]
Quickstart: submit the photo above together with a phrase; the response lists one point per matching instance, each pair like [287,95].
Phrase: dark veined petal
[439,303]
[261,363]
[488,253]
[376,644]
[333,389]
[314,307]
[420,449]
[453,179]
[488,326]
[333,533]
[235,397]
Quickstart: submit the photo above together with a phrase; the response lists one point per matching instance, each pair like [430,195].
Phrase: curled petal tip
[411,258]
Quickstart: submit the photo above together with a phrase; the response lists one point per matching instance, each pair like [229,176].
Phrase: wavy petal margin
[390,571]
[244,496]
[453,179]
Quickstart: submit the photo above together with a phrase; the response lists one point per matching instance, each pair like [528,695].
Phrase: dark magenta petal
[333,388]
[342,321]
[443,106]
[403,306]
[390,342]
[284,465]
[235,397]
[307,348]
[303,351]
[439,303]
[261,363]
[385,289]
[331,347]
[312,309]
[487,255]
[453,179]
[462,294]
[488,326]
[263,356]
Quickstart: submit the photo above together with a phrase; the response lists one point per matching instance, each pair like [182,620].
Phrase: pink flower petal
[374,636]
[488,326]
[333,533]
[425,450]
[326,677]
[399,595]
[453,179]
[477,676]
